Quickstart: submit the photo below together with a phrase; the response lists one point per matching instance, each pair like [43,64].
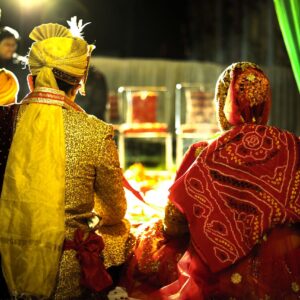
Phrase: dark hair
[62,85]
[8,32]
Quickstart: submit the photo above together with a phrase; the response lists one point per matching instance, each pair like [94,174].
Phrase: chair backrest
[143,104]
[199,106]
[113,110]
[195,110]
[144,107]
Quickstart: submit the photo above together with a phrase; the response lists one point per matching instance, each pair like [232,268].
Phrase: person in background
[97,91]
[62,203]
[9,88]
[10,60]
[8,95]
[238,198]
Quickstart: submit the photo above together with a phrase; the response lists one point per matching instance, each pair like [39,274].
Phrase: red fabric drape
[243,184]
[93,273]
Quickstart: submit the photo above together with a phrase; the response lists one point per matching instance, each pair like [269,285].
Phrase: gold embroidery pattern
[73,80]
[175,222]
[295,191]
[295,287]
[52,97]
[199,150]
[222,87]
[251,87]
[92,165]
[236,278]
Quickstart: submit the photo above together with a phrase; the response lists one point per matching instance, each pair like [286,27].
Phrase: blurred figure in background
[97,94]
[10,60]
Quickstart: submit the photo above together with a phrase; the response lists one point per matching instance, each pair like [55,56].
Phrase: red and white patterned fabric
[242,185]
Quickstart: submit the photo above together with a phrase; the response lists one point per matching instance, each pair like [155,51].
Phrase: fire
[154,186]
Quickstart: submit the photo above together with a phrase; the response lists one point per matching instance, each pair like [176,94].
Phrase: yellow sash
[32,200]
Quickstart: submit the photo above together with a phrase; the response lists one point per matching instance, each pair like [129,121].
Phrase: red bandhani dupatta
[190,157]
[243,184]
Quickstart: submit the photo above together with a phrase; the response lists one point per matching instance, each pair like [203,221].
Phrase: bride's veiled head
[242,95]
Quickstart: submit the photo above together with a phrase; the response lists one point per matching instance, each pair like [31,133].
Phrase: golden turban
[9,87]
[59,52]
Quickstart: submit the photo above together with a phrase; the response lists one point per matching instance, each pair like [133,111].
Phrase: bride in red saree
[234,208]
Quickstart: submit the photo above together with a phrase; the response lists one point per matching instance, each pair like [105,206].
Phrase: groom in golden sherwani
[62,171]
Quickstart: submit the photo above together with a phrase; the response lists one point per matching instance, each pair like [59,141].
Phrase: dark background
[219,31]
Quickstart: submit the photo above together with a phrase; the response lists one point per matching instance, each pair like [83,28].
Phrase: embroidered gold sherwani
[93,186]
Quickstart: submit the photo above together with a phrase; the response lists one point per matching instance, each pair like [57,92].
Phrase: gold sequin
[251,77]
[222,87]
[295,287]
[199,150]
[69,276]
[93,186]
[236,278]
[150,238]
[117,242]
[252,87]
[175,223]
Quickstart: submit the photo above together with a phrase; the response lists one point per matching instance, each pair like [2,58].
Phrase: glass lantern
[195,118]
[145,119]
[144,108]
